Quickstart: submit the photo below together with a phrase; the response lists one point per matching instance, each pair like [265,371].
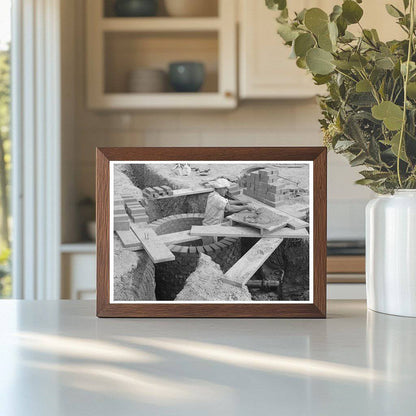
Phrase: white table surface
[58,359]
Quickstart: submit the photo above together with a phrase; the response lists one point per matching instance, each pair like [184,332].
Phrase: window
[5,144]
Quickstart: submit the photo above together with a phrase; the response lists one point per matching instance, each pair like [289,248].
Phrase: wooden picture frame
[315,308]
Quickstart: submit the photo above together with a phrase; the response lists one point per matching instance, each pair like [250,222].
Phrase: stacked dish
[147,80]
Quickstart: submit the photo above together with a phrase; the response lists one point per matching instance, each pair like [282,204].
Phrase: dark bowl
[186,76]
[136,8]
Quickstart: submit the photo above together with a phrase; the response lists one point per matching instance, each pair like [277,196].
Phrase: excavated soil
[205,284]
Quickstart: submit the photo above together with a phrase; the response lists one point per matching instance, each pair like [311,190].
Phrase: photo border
[314,308]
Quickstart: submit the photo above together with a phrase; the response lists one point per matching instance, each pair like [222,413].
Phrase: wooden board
[155,248]
[245,268]
[167,239]
[264,219]
[184,192]
[242,232]
[294,222]
[128,239]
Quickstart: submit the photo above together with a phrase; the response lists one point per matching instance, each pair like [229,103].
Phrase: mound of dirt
[205,284]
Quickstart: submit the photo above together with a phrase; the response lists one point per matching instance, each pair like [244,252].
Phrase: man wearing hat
[217,204]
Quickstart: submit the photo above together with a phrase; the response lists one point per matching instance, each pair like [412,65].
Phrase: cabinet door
[265,68]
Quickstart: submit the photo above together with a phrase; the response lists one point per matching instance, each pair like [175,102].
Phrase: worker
[217,204]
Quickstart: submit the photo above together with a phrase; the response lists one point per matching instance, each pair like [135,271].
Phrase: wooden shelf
[346,264]
[159,24]
[130,101]
[116,46]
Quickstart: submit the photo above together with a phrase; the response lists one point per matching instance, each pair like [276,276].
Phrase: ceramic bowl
[186,76]
[136,8]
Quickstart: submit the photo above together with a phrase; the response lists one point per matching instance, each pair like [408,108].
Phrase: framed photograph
[211,232]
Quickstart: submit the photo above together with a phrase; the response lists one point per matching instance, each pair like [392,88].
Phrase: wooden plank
[154,247]
[263,219]
[184,192]
[294,222]
[245,232]
[128,239]
[167,239]
[245,268]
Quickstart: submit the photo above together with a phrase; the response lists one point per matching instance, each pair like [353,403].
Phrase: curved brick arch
[171,276]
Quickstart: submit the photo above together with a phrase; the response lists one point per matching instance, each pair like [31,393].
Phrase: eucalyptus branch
[406,80]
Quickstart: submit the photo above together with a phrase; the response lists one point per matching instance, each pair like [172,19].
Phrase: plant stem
[406,80]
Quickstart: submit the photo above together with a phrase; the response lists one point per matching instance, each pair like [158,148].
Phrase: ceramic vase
[391,253]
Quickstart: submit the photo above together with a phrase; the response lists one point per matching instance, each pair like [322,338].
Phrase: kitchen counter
[57,358]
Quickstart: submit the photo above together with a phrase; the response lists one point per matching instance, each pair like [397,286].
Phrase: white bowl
[191,8]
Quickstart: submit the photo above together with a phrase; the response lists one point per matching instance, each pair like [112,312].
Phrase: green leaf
[325,43]
[351,11]
[406,4]
[286,32]
[394,145]
[342,25]
[385,63]
[336,12]
[363,86]
[391,114]
[343,65]
[393,11]
[375,35]
[358,160]
[301,63]
[411,90]
[321,79]
[319,61]
[316,20]
[276,4]
[303,43]
[364,181]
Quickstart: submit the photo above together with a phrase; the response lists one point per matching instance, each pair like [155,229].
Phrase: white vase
[391,253]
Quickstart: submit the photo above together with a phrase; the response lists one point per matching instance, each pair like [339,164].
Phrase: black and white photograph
[211,232]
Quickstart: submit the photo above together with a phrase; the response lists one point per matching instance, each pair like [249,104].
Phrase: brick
[272,197]
[140,218]
[167,189]
[159,190]
[200,249]
[262,187]
[192,250]
[126,196]
[121,226]
[119,210]
[118,202]
[273,204]
[121,217]
[129,201]
[208,248]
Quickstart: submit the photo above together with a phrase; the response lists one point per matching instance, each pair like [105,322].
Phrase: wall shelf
[159,24]
[116,46]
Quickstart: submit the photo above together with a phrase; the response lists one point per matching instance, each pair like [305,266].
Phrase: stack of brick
[266,186]
[157,191]
[135,209]
[121,219]
[234,189]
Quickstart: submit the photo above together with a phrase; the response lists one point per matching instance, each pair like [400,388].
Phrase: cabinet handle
[228,94]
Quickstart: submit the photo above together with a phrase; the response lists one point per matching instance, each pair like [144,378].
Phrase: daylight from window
[5,144]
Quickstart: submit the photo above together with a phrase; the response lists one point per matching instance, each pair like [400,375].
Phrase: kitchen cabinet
[118,45]
[265,70]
